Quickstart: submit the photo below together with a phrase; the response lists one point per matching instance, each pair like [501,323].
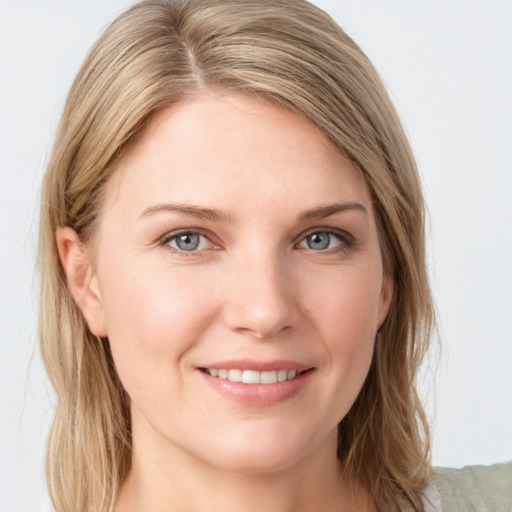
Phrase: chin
[264,452]
[255,463]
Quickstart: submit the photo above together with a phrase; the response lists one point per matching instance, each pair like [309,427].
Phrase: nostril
[264,331]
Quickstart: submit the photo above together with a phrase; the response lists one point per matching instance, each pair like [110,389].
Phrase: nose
[261,299]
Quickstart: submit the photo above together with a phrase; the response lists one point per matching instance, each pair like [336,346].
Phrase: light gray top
[471,489]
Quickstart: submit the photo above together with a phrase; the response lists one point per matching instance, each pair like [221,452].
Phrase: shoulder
[475,488]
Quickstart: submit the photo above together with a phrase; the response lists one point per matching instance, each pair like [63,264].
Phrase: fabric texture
[431,499]
[475,488]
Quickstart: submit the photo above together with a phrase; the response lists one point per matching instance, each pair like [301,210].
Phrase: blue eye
[187,241]
[323,240]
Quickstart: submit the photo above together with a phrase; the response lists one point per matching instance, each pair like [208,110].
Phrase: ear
[81,280]
[386,294]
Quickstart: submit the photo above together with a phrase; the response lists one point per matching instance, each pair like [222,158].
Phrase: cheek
[153,316]
[347,305]
[346,316]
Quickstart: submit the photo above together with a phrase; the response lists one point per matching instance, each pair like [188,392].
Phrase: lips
[257,383]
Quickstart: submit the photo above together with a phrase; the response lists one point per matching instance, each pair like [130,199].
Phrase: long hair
[290,54]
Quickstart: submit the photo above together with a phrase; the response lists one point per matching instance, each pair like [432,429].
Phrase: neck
[171,480]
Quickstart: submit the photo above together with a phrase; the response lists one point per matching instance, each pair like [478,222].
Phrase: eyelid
[345,239]
[171,235]
[345,235]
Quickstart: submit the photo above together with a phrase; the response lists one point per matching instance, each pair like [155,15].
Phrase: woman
[234,296]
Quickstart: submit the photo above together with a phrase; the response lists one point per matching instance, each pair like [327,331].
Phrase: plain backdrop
[448,66]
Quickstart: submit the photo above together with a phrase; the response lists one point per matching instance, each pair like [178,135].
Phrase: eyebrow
[191,210]
[326,211]
[214,215]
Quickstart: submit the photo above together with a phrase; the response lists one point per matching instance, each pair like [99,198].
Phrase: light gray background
[448,67]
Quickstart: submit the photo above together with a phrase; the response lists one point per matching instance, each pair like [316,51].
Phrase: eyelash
[346,240]
[169,237]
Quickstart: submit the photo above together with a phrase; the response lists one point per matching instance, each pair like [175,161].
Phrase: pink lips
[258,394]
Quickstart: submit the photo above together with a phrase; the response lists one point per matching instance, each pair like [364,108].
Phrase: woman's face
[237,244]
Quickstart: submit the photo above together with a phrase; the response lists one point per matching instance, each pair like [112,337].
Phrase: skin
[253,289]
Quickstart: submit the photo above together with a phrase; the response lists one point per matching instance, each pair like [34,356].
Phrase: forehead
[233,148]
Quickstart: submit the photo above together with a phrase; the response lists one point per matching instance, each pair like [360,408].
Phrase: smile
[253,376]
[257,383]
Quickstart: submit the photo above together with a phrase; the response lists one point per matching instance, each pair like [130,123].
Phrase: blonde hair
[291,54]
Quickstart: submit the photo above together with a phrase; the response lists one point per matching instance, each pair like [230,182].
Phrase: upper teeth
[252,376]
